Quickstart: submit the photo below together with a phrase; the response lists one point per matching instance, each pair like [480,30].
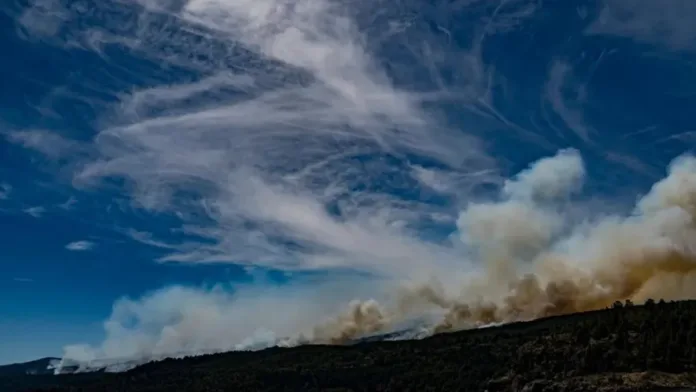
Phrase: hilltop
[39,366]
[625,348]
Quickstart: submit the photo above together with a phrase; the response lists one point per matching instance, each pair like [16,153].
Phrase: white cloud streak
[286,161]
[68,204]
[80,246]
[668,23]
[147,239]
[568,108]
[5,191]
[49,143]
[36,212]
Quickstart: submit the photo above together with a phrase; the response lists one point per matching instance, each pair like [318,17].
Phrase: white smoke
[181,320]
[548,179]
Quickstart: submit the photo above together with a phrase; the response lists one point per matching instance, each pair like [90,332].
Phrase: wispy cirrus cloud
[667,23]
[634,164]
[23,280]
[566,97]
[5,191]
[68,204]
[49,143]
[80,246]
[147,238]
[36,212]
[236,156]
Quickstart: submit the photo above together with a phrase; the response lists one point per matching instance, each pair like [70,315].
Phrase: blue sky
[231,157]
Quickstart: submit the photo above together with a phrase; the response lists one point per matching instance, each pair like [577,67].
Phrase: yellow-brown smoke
[668,275]
[650,254]
[361,318]
[555,290]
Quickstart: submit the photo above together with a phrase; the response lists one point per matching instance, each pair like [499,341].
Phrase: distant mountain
[38,367]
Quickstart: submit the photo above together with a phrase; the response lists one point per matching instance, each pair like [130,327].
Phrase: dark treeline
[625,348]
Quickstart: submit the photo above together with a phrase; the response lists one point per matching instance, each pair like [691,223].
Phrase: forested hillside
[625,348]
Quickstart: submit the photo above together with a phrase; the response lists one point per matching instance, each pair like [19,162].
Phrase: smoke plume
[537,267]
[533,265]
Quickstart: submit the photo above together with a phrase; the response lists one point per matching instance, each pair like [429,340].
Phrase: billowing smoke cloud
[536,266]
[182,320]
[308,135]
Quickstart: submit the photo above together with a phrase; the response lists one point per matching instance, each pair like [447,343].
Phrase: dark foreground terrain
[626,348]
